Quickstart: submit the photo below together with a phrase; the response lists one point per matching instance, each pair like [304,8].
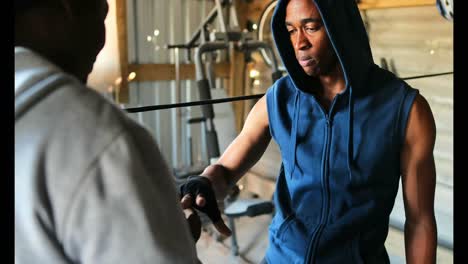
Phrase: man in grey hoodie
[91,185]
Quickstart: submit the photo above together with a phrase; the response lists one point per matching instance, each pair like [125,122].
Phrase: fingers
[222,228]
[194,223]
[186,201]
[198,193]
[188,212]
[201,201]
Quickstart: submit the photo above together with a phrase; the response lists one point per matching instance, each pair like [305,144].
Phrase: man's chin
[312,72]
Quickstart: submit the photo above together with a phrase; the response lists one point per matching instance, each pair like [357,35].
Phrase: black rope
[426,76]
[235,98]
[203,102]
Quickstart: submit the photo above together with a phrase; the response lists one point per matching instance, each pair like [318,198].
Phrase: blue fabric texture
[340,168]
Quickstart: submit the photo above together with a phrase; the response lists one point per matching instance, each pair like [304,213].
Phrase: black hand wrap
[196,185]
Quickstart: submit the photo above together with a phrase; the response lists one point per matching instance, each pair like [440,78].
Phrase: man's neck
[332,83]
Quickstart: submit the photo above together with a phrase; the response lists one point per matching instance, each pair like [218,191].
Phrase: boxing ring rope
[237,98]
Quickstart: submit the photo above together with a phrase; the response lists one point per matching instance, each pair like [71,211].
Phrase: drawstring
[297,105]
[350,132]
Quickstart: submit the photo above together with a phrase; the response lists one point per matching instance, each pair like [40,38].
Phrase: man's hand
[197,192]
[194,223]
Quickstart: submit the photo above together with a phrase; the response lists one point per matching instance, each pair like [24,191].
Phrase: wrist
[220,178]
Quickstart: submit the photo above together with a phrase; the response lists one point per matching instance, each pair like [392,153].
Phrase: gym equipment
[265,34]
[208,44]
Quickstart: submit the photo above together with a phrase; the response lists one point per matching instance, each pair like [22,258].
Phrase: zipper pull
[329,121]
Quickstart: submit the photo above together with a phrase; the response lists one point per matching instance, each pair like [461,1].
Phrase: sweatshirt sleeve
[126,209]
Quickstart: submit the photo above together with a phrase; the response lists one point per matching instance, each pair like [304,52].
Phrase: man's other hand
[205,201]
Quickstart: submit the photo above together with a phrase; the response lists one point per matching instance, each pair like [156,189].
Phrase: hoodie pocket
[293,236]
[337,245]
[279,225]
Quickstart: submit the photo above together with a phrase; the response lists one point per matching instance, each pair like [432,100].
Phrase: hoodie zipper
[325,187]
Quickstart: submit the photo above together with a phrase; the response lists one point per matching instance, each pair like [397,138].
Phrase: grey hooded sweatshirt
[90,183]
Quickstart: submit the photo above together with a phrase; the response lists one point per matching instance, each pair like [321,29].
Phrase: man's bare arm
[418,181]
[244,151]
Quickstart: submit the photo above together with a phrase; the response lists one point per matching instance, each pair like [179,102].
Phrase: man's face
[309,38]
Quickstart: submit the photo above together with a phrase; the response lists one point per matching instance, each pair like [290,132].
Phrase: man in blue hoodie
[347,131]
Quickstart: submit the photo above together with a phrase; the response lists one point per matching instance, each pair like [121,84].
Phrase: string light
[254,73]
[131,76]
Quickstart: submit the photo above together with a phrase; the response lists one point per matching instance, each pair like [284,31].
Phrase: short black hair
[23,5]
[79,6]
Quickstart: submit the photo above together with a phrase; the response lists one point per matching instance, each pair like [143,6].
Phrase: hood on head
[347,34]
[348,37]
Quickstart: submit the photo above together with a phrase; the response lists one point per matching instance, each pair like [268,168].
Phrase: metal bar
[222,22]
[176,114]
[205,47]
[207,20]
[253,45]
[233,17]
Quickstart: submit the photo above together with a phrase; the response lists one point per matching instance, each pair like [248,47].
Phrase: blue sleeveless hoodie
[340,169]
